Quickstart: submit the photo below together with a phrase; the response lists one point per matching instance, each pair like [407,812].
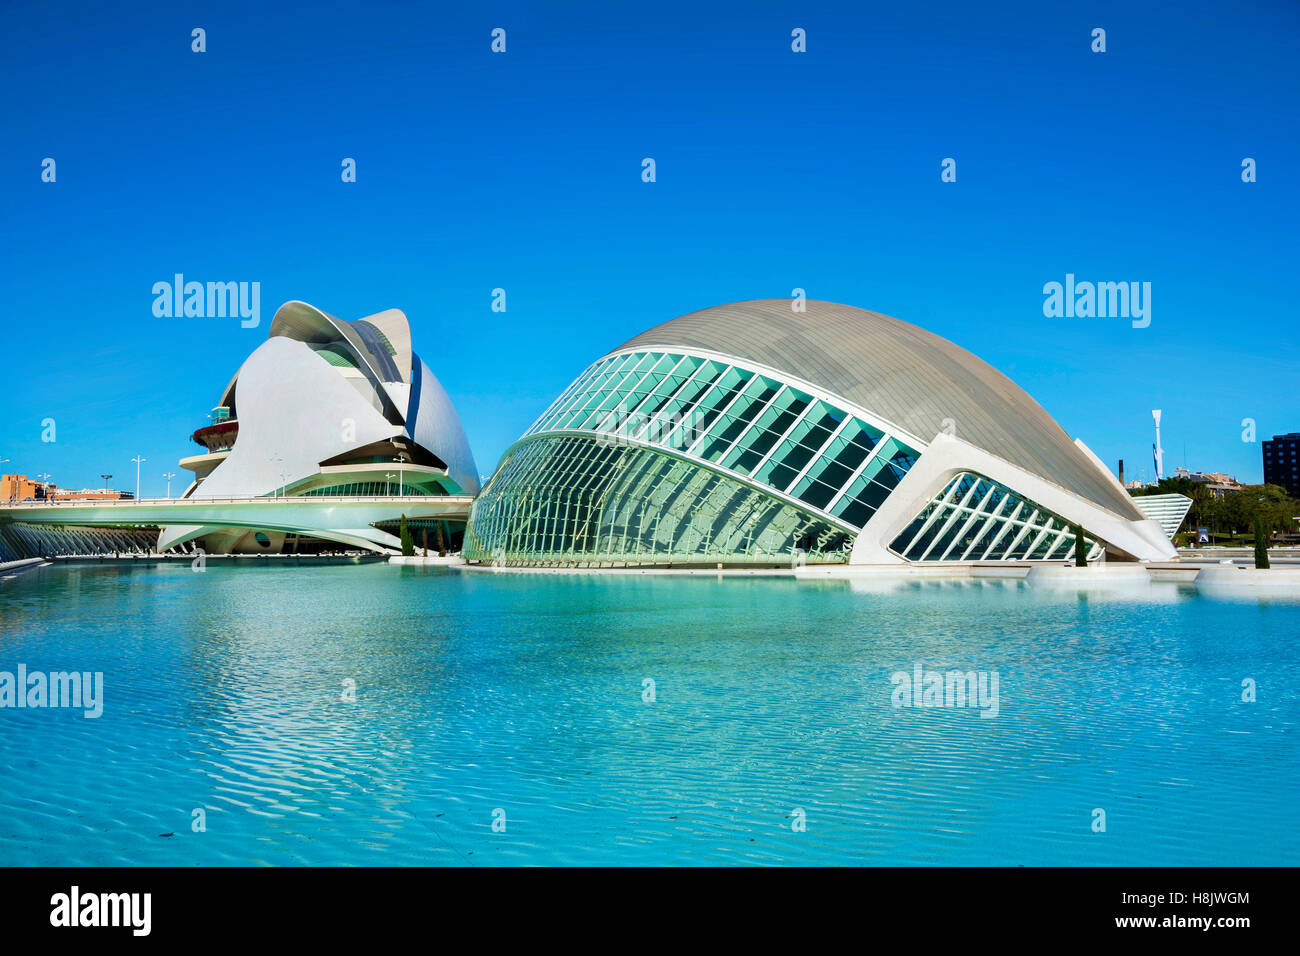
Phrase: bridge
[347,520]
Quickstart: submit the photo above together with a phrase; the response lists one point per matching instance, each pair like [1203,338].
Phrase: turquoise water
[477,692]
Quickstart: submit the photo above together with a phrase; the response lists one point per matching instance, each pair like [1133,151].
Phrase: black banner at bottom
[335,906]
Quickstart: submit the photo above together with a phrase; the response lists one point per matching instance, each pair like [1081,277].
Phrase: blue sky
[775,170]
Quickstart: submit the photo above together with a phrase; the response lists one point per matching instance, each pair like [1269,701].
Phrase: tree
[1261,543]
[1275,507]
[1080,548]
[1211,514]
[1237,510]
[408,546]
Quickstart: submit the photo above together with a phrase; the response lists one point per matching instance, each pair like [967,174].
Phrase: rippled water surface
[523,693]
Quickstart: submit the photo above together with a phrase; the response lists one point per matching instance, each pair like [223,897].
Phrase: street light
[386,477]
[284,476]
[401,467]
[45,480]
[138,459]
[106,478]
[14,493]
[169,475]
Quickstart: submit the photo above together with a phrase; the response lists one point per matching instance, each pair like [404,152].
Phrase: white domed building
[752,434]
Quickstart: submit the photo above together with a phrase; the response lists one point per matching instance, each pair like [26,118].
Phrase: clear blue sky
[523,171]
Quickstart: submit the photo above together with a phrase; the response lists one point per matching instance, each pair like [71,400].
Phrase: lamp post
[387,476]
[106,478]
[169,475]
[401,467]
[45,480]
[138,459]
[14,493]
[283,477]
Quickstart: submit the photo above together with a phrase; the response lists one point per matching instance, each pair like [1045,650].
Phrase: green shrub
[1261,543]
[1080,548]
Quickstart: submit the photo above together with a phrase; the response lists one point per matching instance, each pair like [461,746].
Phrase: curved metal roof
[306,323]
[899,372]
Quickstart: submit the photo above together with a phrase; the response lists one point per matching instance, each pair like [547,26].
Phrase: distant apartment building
[1217,483]
[1280,462]
[1221,484]
[22,488]
[55,493]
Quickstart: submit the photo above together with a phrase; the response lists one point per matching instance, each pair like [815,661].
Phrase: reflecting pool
[364,715]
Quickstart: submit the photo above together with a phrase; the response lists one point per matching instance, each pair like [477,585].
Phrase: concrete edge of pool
[1215,580]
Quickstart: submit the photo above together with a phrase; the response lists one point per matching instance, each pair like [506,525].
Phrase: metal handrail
[197,500]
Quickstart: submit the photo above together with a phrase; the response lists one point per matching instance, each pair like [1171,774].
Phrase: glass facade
[662,456]
[370,489]
[976,519]
[583,500]
[758,429]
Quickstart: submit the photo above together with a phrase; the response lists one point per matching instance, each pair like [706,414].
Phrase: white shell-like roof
[403,386]
[899,372]
[306,323]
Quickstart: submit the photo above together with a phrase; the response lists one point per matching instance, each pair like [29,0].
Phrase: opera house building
[327,436]
[755,434]
[327,408]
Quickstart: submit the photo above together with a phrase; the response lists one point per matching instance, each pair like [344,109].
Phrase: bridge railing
[200,500]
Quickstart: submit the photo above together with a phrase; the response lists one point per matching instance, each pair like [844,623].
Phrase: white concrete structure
[1169,511]
[936,481]
[345,521]
[1093,576]
[1158,453]
[1227,579]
